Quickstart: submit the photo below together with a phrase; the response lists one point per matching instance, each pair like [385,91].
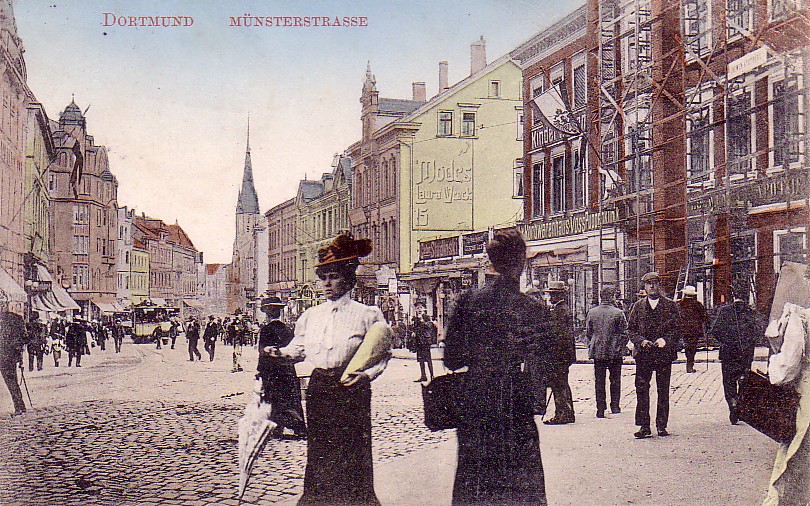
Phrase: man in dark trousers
[737,328]
[563,354]
[193,336]
[210,337]
[76,341]
[606,329]
[693,324]
[424,335]
[12,339]
[280,384]
[35,341]
[653,328]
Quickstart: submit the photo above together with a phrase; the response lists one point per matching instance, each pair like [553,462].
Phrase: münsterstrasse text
[111,19]
[249,20]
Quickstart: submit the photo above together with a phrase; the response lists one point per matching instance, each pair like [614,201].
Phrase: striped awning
[12,290]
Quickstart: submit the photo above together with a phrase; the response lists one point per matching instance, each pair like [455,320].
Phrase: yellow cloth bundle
[376,346]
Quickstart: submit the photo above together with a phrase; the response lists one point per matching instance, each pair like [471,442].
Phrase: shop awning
[14,292]
[64,299]
[107,305]
[45,302]
[193,303]
[544,254]
[158,301]
[43,274]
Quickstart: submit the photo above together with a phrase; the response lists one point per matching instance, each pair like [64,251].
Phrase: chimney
[478,55]
[443,76]
[419,92]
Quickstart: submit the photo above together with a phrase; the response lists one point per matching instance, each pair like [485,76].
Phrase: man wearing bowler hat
[562,355]
[653,327]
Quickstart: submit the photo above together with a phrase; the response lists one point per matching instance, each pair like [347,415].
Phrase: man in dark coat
[280,384]
[424,335]
[653,329]
[35,341]
[210,337]
[76,342]
[606,329]
[563,354]
[693,324]
[193,337]
[737,328]
[12,339]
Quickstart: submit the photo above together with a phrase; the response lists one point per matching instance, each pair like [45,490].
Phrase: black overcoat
[737,328]
[646,323]
[491,331]
[281,386]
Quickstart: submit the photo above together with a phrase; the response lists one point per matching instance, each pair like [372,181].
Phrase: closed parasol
[254,430]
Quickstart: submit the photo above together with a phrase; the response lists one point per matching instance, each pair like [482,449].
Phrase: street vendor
[339,466]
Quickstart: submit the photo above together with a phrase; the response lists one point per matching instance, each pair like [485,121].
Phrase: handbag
[770,409]
[442,400]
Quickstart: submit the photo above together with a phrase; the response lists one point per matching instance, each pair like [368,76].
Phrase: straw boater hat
[272,301]
[343,249]
[554,286]
[689,291]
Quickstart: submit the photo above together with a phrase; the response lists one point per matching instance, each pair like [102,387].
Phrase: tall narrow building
[242,274]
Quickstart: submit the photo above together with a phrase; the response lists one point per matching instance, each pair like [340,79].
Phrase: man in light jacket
[606,328]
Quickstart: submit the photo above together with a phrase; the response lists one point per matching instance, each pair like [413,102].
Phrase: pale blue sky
[171,104]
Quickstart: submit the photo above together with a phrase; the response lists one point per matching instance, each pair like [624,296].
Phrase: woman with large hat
[339,466]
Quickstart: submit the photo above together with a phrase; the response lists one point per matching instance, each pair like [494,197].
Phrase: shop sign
[442,191]
[767,190]
[472,244]
[438,248]
[578,223]
[467,279]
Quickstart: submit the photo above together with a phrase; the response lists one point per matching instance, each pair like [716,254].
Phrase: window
[468,124]
[494,89]
[639,168]
[580,83]
[126,257]
[696,27]
[738,134]
[786,124]
[517,175]
[52,183]
[781,9]
[80,214]
[538,185]
[81,245]
[698,158]
[520,123]
[81,277]
[789,246]
[579,181]
[445,123]
[558,184]
[739,17]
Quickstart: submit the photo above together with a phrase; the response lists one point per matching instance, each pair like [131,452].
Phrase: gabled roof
[178,236]
[309,189]
[212,269]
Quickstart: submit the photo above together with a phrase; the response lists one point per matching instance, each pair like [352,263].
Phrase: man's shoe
[600,413]
[420,380]
[558,421]
[663,433]
[616,410]
[732,417]
[643,433]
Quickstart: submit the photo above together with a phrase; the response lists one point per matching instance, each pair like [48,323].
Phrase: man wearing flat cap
[339,466]
[563,354]
[653,329]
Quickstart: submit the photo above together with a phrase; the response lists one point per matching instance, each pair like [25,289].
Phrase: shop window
[786,122]
[445,123]
[738,132]
[789,246]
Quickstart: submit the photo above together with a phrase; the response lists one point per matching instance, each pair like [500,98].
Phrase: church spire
[248,202]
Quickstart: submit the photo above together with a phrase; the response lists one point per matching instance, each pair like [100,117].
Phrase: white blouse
[328,335]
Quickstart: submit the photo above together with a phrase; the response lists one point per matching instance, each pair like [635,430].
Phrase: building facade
[283,235]
[214,296]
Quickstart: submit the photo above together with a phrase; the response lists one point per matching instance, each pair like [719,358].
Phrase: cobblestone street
[148,427]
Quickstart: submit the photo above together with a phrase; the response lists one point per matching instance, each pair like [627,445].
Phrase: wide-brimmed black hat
[272,301]
[343,248]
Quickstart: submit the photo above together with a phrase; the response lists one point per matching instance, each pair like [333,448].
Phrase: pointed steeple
[248,202]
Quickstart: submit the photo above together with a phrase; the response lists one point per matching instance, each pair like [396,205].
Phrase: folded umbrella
[376,347]
[254,431]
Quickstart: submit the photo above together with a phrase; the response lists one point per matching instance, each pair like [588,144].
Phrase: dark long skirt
[339,467]
[498,443]
[282,389]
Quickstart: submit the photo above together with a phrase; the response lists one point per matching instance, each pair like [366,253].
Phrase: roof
[310,189]
[212,269]
[544,41]
[398,105]
[248,201]
[71,114]
[178,236]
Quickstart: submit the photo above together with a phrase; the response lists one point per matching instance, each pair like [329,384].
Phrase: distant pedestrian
[76,341]
[280,384]
[173,330]
[238,337]
[118,335]
[490,331]
[563,355]
[12,340]
[56,343]
[653,328]
[738,328]
[36,341]
[693,324]
[193,336]
[424,334]
[606,330]
[210,337]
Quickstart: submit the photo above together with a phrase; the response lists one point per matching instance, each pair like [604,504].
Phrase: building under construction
[696,147]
